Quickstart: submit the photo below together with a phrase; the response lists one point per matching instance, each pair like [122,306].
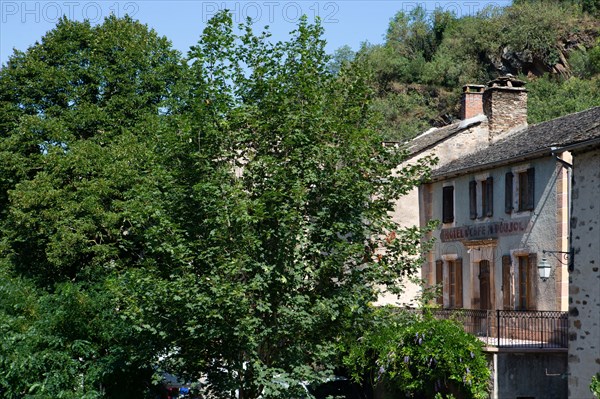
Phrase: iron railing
[512,328]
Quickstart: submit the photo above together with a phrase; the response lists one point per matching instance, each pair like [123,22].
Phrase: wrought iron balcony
[512,328]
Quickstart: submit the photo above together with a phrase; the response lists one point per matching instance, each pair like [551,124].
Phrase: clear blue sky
[349,22]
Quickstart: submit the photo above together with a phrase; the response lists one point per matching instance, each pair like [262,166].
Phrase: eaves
[482,167]
[581,146]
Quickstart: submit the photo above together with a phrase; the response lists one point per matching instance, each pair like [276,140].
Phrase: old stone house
[584,287]
[446,144]
[503,246]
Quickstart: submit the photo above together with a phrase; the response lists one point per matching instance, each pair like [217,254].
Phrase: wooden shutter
[531,277]
[459,283]
[448,204]
[530,189]
[490,196]
[508,192]
[473,199]
[506,282]
[439,280]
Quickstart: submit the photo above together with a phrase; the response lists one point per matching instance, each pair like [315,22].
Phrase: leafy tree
[341,57]
[416,355]
[284,251]
[82,115]
[222,218]
[551,97]
[426,60]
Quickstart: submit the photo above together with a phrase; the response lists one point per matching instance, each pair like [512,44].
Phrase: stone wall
[584,287]
[540,375]
[506,109]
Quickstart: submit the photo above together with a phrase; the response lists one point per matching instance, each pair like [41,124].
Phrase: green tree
[424,61]
[595,385]
[341,58]
[222,218]
[284,251]
[416,355]
[82,120]
[552,97]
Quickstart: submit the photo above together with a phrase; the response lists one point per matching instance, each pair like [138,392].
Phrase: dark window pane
[448,204]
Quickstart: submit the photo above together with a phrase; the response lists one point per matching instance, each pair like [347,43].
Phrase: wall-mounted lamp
[565,258]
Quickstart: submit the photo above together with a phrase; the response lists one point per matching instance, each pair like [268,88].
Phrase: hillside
[419,70]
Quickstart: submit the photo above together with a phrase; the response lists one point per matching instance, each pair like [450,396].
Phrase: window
[448,274]
[526,266]
[455,283]
[448,204]
[525,190]
[487,198]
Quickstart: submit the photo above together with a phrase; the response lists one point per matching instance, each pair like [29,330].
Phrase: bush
[552,97]
[418,356]
[595,385]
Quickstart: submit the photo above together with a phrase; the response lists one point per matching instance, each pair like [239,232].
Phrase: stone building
[584,287]
[505,212]
[446,144]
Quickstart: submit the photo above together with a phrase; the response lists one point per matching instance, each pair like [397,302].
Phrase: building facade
[584,292]
[500,259]
[445,144]
[495,225]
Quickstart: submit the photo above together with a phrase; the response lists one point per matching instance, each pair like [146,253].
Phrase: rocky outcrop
[555,61]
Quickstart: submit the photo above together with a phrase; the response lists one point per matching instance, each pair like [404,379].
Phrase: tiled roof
[436,135]
[531,142]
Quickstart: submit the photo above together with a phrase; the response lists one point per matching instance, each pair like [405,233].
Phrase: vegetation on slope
[419,70]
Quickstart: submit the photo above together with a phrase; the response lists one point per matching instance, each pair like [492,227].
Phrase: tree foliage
[220,217]
[427,58]
[81,193]
[595,385]
[418,356]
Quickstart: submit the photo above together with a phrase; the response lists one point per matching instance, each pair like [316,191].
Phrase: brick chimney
[472,101]
[505,105]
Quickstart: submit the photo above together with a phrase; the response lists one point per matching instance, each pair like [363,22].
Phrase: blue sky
[349,22]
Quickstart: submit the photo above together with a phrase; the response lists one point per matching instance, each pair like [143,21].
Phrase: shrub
[420,356]
[595,385]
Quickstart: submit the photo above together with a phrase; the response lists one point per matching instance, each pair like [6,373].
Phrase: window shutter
[448,204]
[490,196]
[473,199]
[439,279]
[506,282]
[459,283]
[530,188]
[531,277]
[508,192]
